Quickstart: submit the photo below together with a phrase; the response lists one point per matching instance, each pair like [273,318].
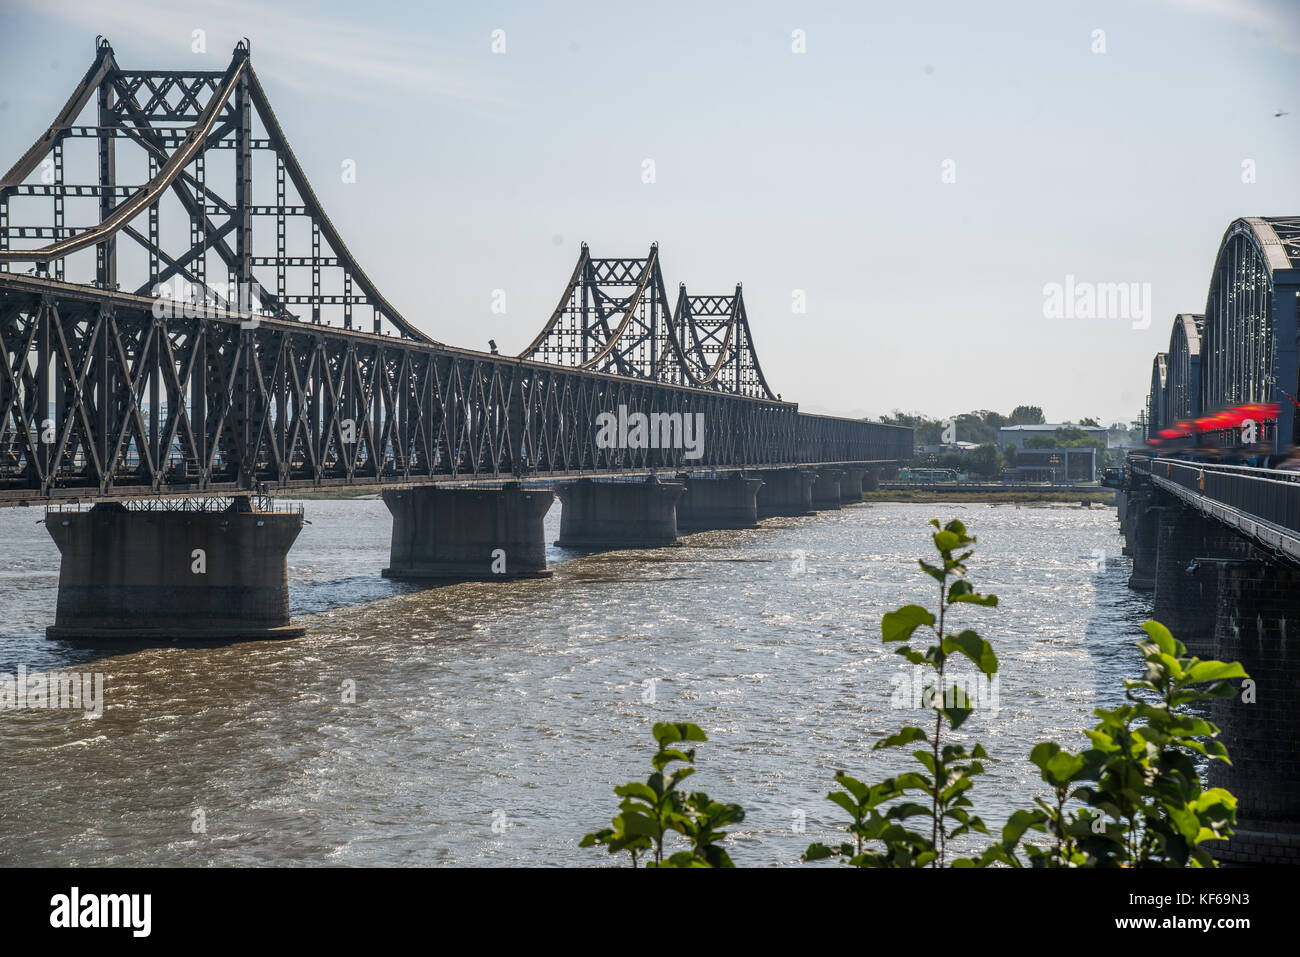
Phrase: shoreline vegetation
[1085,496]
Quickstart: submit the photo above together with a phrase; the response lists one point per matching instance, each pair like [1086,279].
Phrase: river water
[491,721]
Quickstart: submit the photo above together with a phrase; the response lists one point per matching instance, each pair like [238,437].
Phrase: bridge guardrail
[1270,495]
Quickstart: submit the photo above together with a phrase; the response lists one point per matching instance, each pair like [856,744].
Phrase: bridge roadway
[1218,549]
[210,406]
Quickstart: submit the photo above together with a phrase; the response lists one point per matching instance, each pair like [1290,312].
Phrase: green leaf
[904,736]
[667,732]
[817,852]
[975,648]
[899,625]
[638,790]
[946,541]
[1214,671]
[1161,636]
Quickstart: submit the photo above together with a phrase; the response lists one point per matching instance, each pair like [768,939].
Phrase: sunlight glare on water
[524,703]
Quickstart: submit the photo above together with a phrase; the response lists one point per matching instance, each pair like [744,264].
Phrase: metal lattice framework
[614,317]
[109,388]
[196,137]
[1183,380]
[1156,395]
[720,347]
[1244,348]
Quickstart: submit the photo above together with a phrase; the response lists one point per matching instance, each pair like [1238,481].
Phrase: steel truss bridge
[1242,348]
[196,334]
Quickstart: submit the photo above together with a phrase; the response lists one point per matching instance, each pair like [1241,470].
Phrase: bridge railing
[824,438]
[1271,495]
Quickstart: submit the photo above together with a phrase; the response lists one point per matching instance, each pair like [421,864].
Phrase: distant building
[1017,435]
[1053,465]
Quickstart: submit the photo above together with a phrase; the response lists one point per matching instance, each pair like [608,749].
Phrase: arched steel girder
[1249,335]
[720,345]
[146,109]
[1156,416]
[1183,377]
[613,317]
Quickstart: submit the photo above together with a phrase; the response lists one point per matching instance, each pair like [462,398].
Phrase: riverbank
[1103,496]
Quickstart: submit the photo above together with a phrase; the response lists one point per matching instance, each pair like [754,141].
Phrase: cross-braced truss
[719,346]
[257,378]
[614,317]
[193,229]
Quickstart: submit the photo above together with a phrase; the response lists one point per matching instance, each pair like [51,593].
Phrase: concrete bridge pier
[871,480]
[1259,723]
[173,573]
[718,502]
[1141,540]
[826,490]
[851,485]
[785,492]
[606,515]
[1189,552]
[467,534]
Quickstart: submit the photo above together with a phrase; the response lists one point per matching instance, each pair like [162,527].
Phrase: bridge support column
[785,492]
[173,574]
[1128,522]
[1142,542]
[826,490]
[871,480]
[718,502]
[467,534]
[851,485]
[1189,550]
[607,515]
[1257,599]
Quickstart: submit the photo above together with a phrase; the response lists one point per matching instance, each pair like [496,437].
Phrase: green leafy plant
[651,811]
[948,769]
[1143,802]
[1137,795]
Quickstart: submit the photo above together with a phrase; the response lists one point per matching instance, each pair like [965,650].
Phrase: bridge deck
[1262,504]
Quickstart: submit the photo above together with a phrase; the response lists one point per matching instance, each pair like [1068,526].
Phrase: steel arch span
[614,316]
[151,349]
[1242,351]
[1183,388]
[196,135]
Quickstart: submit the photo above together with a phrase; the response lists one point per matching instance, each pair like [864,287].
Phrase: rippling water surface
[523,704]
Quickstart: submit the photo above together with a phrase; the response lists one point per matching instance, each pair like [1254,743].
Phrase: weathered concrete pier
[710,503]
[786,492]
[467,534]
[598,516]
[826,489]
[851,484]
[173,572]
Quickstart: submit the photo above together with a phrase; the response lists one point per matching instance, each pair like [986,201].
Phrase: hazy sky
[821,171]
